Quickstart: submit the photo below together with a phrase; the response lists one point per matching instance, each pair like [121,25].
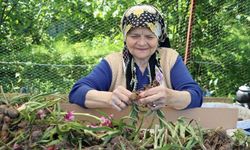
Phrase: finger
[150,92]
[126,103]
[156,107]
[122,104]
[119,103]
[123,94]
[124,91]
[124,99]
[115,106]
[159,102]
[149,99]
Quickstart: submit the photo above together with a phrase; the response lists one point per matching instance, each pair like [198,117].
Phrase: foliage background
[48,45]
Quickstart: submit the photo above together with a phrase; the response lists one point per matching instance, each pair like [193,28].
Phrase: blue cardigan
[101,76]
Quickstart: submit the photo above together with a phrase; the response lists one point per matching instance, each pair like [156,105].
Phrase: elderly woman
[146,58]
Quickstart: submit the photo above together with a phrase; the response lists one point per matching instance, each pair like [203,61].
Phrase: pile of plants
[37,122]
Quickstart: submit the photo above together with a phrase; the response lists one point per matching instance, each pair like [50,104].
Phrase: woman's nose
[142,41]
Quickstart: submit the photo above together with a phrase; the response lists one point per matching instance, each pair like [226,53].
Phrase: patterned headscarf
[143,16]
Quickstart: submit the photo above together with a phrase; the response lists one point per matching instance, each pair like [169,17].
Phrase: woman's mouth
[142,49]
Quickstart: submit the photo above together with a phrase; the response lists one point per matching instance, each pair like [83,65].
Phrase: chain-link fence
[47,46]
[221,49]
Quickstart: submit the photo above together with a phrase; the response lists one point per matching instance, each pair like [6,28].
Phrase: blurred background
[46,46]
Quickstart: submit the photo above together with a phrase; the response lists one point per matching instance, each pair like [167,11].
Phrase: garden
[38,122]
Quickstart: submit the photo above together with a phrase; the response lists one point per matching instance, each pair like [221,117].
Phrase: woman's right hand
[120,98]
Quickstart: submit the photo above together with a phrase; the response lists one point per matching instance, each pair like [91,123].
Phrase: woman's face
[141,43]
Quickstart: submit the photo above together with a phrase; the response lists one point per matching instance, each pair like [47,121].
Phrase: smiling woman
[141,43]
[146,59]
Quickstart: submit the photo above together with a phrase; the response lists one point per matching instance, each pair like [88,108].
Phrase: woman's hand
[120,98]
[155,97]
[159,96]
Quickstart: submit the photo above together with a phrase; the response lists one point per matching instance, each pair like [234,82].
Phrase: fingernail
[140,101]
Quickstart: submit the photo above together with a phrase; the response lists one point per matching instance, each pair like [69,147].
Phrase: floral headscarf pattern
[143,16]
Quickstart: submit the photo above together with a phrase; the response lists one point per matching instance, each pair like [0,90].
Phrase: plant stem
[5,100]
[83,114]
[80,143]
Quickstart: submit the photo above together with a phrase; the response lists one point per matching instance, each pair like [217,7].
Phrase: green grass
[95,48]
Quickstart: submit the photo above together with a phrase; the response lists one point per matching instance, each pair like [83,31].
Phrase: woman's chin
[142,57]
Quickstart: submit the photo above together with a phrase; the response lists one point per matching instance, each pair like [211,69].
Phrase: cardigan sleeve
[99,79]
[182,80]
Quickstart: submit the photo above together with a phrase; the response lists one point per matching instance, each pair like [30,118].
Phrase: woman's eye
[150,37]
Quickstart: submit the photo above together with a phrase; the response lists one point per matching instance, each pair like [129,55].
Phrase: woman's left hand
[160,96]
[155,97]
